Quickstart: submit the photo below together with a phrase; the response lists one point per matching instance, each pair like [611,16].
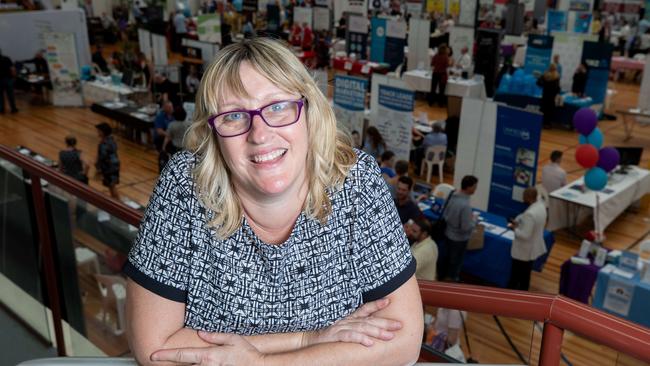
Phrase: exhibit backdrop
[388,41]
[538,54]
[356,37]
[418,40]
[63,65]
[556,20]
[569,47]
[350,102]
[598,57]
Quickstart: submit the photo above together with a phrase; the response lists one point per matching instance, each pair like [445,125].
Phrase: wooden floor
[43,128]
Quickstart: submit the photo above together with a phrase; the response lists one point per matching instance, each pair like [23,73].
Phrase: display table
[639,291]
[358,67]
[136,120]
[577,280]
[619,64]
[493,262]
[568,206]
[97,91]
[420,80]
[632,115]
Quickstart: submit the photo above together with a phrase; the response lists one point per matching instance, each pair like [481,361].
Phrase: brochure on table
[63,65]
[356,36]
[349,102]
[618,297]
[394,119]
[388,41]
[598,57]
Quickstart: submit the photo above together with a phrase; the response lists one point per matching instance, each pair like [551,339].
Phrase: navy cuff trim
[166,291]
[392,285]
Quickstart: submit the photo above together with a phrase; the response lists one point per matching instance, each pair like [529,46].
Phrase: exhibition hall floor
[43,128]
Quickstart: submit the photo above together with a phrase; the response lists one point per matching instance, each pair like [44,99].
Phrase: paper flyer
[618,297]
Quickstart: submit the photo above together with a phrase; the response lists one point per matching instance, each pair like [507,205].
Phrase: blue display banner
[394,52]
[598,57]
[516,149]
[556,20]
[350,92]
[401,100]
[378,43]
[583,22]
[538,54]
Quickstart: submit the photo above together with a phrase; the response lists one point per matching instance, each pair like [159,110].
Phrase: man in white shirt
[553,176]
[465,60]
[528,244]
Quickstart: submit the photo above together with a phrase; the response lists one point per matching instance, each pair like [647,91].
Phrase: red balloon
[587,156]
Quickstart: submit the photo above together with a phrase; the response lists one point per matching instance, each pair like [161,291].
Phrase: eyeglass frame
[257,112]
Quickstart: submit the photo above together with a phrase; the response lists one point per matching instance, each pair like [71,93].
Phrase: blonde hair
[330,153]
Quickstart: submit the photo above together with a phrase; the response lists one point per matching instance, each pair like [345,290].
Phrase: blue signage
[583,22]
[350,92]
[378,42]
[598,57]
[516,149]
[538,54]
[556,21]
[397,99]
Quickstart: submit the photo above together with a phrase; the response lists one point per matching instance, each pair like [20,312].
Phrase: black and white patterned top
[242,285]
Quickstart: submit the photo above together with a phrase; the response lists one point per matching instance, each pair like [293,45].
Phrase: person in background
[558,66]
[465,60]
[99,60]
[166,90]
[160,124]
[440,63]
[374,144]
[437,137]
[180,29]
[192,81]
[406,208]
[424,249]
[307,37]
[550,84]
[387,164]
[176,132]
[553,176]
[145,67]
[579,80]
[447,326]
[356,139]
[249,29]
[295,38]
[70,162]
[108,163]
[7,76]
[528,244]
[596,25]
[40,63]
[460,225]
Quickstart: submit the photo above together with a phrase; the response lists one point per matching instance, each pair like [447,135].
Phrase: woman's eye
[277,107]
[233,117]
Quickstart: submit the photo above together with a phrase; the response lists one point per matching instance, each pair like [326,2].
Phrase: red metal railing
[556,312]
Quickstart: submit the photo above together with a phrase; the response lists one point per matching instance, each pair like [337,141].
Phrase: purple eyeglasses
[238,122]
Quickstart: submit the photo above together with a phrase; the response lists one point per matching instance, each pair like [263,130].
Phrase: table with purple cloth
[577,280]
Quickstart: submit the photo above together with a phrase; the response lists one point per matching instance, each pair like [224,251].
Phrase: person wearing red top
[296,35]
[439,64]
[307,37]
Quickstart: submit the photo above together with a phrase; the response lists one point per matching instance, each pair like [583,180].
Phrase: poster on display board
[356,37]
[418,40]
[303,15]
[248,5]
[209,28]
[378,5]
[460,37]
[486,59]
[556,20]
[322,19]
[388,41]
[414,7]
[63,65]
[580,21]
[358,7]
[580,5]
[514,165]
[569,47]
[538,54]
[437,6]
[453,7]
[467,13]
[394,119]
[618,297]
[621,6]
[598,57]
[350,102]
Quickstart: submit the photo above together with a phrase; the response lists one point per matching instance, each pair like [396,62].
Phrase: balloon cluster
[599,161]
[519,83]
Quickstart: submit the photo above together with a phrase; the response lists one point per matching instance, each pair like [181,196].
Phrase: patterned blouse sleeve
[384,258]
[160,257]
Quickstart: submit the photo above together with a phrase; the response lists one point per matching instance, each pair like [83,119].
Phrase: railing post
[551,345]
[51,276]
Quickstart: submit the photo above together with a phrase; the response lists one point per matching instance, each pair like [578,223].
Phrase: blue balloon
[596,179]
[595,138]
[582,139]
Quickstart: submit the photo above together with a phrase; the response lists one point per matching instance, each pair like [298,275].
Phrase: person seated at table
[296,35]
[386,165]
[465,60]
[176,132]
[40,63]
[166,90]
[374,144]
[192,82]
[437,137]
[108,163]
[269,198]
[70,161]
[550,84]
[579,80]
[117,61]
[145,68]
[440,63]
[424,249]
[99,61]
[406,207]
[553,176]
[528,244]
[160,124]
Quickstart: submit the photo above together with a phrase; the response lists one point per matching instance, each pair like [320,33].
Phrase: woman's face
[265,161]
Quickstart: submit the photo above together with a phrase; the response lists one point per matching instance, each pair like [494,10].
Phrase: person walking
[70,162]
[108,164]
[7,76]
[440,63]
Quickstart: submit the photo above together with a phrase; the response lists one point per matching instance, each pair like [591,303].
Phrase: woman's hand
[229,349]
[359,327]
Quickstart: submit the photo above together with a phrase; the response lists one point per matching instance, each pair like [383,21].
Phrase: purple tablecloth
[577,280]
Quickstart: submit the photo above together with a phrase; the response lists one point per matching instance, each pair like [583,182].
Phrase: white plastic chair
[443,190]
[435,155]
[113,292]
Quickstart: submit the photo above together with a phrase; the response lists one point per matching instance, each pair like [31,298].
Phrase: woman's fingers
[217,338]
[180,355]
[370,308]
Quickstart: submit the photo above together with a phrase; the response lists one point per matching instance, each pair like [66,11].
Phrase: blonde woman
[271,240]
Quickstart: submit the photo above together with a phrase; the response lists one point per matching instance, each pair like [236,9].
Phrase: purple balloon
[608,158]
[585,120]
